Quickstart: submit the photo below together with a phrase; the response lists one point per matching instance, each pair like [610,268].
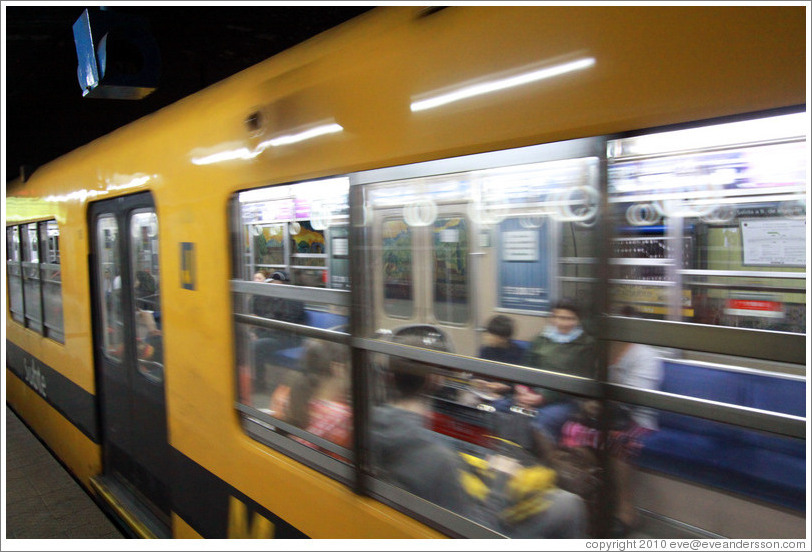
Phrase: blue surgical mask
[552,333]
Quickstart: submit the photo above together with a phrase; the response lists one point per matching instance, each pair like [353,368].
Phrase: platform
[43,501]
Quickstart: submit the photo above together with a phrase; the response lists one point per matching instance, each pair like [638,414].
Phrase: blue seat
[289,358]
[757,465]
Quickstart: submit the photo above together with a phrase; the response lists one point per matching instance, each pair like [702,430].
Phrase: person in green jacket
[563,347]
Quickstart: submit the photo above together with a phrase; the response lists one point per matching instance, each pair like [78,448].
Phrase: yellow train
[417,171]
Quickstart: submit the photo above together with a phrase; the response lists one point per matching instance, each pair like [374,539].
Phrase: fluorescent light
[302,136]
[782,127]
[501,84]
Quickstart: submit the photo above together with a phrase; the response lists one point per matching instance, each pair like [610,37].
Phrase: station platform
[43,501]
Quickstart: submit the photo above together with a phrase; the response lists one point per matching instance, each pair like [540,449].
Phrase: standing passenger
[637,366]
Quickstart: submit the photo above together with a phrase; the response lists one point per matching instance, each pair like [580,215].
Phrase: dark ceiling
[46,115]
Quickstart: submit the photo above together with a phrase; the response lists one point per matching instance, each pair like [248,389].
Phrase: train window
[145,280]
[34,277]
[109,266]
[710,224]
[51,273]
[451,270]
[14,268]
[31,277]
[291,304]
[398,286]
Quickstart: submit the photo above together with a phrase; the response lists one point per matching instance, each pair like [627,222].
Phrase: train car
[210,311]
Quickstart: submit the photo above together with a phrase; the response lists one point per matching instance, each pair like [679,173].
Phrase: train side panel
[651,67]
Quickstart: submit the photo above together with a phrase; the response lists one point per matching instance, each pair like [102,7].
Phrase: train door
[129,349]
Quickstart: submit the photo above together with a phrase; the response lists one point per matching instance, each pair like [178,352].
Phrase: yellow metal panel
[74,448]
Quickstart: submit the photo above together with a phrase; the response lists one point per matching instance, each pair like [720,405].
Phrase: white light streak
[243,153]
[502,84]
[302,136]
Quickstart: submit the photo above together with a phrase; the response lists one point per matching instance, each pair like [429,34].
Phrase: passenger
[637,366]
[500,347]
[286,310]
[319,395]
[145,290]
[149,339]
[499,344]
[265,343]
[403,448]
[514,500]
[563,347]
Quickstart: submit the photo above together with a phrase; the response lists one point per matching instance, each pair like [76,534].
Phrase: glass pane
[15,285]
[51,280]
[451,270]
[31,277]
[301,381]
[110,269]
[714,236]
[285,229]
[145,280]
[434,435]
[398,298]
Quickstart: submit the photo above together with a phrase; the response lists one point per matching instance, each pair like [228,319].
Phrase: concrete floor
[42,500]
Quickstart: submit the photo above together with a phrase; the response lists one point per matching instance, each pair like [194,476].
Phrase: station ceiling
[46,115]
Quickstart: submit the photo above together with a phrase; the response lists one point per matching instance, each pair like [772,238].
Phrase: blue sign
[187,265]
[524,267]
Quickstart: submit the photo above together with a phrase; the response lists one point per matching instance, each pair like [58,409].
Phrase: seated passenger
[563,347]
[148,338]
[519,501]
[634,365]
[500,347]
[319,395]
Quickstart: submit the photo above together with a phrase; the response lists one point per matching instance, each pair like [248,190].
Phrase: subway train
[212,311]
